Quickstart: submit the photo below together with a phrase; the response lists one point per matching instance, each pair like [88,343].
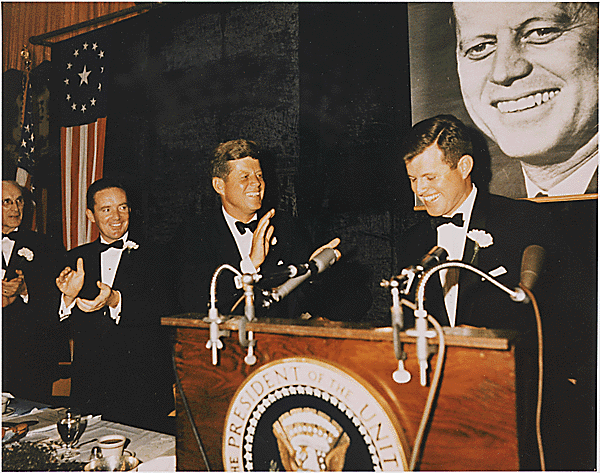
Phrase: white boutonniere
[481,238]
[130,245]
[26,253]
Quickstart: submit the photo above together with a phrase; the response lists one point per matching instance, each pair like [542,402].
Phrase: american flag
[82,89]
[25,164]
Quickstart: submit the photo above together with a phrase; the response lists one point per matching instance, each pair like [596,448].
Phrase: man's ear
[465,165]
[90,215]
[218,185]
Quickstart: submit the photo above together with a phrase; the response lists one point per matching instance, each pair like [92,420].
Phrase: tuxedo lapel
[125,268]
[91,266]
[223,242]
[14,263]
[434,293]
[592,187]
[467,279]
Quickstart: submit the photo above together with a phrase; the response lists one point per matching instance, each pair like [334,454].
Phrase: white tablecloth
[155,450]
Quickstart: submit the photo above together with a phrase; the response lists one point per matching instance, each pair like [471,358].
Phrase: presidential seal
[302,414]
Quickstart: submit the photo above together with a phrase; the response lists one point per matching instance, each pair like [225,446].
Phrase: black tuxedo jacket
[30,332]
[206,243]
[513,225]
[123,370]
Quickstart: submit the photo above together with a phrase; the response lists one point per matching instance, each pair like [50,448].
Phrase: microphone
[318,264]
[531,267]
[288,272]
[435,256]
[408,275]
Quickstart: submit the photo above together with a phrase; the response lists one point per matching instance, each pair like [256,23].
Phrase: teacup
[5,401]
[111,445]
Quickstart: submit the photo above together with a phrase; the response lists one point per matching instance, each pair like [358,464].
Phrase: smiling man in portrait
[529,79]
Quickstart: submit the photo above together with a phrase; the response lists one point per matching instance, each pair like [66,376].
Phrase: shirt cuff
[247,267]
[65,311]
[25,298]
[115,313]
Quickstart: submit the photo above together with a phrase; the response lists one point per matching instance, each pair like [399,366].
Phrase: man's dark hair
[450,135]
[99,185]
[230,151]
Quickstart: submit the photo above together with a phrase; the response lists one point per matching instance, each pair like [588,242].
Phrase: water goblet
[69,429]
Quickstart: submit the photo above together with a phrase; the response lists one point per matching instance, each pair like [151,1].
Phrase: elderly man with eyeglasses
[31,344]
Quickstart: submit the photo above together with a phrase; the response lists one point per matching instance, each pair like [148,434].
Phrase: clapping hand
[332,244]
[11,289]
[261,240]
[70,282]
[106,297]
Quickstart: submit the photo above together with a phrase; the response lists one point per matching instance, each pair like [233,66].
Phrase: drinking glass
[69,429]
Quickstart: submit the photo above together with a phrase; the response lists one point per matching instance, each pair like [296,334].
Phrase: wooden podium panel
[474,423]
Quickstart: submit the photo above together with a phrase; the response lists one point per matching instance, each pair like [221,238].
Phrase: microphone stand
[421,332]
[401,375]
[247,338]
[245,281]
[214,342]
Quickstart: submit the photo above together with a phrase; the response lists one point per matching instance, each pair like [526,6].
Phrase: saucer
[9,411]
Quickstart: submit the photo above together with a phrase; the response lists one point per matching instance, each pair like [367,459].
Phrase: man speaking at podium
[491,233]
[487,231]
[240,234]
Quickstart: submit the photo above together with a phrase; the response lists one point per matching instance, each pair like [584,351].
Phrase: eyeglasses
[19,202]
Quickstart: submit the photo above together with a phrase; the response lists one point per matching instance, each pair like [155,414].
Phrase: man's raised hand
[332,244]
[70,282]
[261,240]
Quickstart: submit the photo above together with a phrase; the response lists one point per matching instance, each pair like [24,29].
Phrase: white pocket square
[499,271]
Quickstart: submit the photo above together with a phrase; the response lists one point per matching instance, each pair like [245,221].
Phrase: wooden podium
[473,425]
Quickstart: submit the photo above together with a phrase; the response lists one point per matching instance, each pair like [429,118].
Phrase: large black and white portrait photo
[524,74]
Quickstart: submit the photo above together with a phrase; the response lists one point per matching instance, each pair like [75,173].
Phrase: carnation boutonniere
[481,238]
[130,245]
[26,253]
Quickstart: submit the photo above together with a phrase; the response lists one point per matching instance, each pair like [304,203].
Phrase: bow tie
[115,244]
[456,219]
[241,226]
[8,235]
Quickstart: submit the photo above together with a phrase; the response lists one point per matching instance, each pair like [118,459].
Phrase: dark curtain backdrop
[324,87]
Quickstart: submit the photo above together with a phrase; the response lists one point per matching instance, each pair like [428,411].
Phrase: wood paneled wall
[22,20]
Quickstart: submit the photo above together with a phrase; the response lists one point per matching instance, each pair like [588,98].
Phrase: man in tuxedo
[488,231]
[30,332]
[240,234]
[491,232]
[112,295]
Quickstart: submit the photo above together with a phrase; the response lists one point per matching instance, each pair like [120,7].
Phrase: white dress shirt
[7,248]
[243,242]
[109,263]
[452,239]
[576,182]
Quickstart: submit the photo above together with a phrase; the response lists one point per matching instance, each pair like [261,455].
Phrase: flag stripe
[65,139]
[82,163]
[75,163]
[23,178]
[82,178]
